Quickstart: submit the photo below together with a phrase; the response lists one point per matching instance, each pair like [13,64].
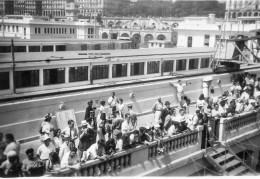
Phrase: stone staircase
[227,163]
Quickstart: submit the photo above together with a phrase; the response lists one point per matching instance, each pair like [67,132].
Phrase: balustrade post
[223,127]
[198,139]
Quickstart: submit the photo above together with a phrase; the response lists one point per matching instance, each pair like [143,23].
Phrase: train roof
[101,54]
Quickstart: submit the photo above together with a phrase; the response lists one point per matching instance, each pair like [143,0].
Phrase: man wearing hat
[180,92]
[157,109]
[45,149]
[11,167]
[251,105]
[46,126]
[71,131]
[133,118]
[86,138]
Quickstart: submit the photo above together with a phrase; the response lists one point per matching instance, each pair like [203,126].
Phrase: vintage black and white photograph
[122,88]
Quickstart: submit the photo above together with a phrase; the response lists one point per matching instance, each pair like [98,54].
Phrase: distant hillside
[146,8]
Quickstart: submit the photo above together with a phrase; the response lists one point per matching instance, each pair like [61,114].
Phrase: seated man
[70,159]
[144,138]
[134,139]
[96,151]
[32,166]
[11,167]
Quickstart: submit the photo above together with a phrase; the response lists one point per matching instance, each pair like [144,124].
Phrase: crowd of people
[114,129]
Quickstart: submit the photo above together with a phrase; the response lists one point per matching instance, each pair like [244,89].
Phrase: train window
[137,69]
[34,48]
[181,65]
[54,76]
[100,72]
[78,74]
[27,78]
[193,63]
[168,66]
[20,48]
[60,47]
[204,63]
[5,49]
[153,67]
[97,47]
[4,80]
[47,48]
[119,70]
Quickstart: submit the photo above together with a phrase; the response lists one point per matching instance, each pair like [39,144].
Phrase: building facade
[238,8]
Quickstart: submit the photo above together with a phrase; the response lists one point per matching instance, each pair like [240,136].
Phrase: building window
[28,78]
[5,49]
[160,45]
[153,67]
[217,38]
[206,40]
[73,31]
[204,63]
[39,30]
[189,42]
[54,76]
[60,48]
[168,66]
[181,65]
[4,81]
[78,74]
[137,68]
[193,63]
[47,48]
[13,28]
[34,48]
[17,29]
[59,30]
[48,30]
[51,30]
[119,70]
[152,44]
[35,30]
[100,72]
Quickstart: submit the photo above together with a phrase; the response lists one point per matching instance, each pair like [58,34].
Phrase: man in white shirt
[12,145]
[157,109]
[70,160]
[180,92]
[71,131]
[64,148]
[112,102]
[45,149]
[251,105]
[126,124]
[245,95]
[96,151]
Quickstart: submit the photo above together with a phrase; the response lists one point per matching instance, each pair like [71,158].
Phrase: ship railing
[123,160]
[231,127]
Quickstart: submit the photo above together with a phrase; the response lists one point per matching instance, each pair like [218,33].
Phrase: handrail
[124,159]
[240,121]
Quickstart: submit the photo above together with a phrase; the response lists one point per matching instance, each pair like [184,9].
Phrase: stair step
[231,165]
[217,152]
[239,170]
[249,174]
[221,160]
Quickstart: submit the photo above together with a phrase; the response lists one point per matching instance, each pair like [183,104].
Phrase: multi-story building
[58,8]
[238,8]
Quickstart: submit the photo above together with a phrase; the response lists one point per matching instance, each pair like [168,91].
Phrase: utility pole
[13,62]
[3,13]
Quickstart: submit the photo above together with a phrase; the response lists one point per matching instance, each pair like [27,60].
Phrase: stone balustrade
[132,157]
[233,126]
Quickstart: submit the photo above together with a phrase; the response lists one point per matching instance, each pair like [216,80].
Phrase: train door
[189,42]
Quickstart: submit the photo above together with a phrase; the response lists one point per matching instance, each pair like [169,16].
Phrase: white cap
[157,125]
[11,153]
[252,101]
[45,137]
[84,123]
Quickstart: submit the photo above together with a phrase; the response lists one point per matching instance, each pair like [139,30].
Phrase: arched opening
[234,16]
[118,24]
[110,24]
[104,35]
[245,14]
[124,35]
[161,37]
[136,40]
[256,14]
[250,14]
[147,38]
[239,14]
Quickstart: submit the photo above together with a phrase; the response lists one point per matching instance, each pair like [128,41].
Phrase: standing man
[88,109]
[72,132]
[180,93]
[157,109]
[112,102]
[165,112]
[133,117]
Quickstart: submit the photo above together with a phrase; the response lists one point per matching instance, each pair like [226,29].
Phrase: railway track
[109,86]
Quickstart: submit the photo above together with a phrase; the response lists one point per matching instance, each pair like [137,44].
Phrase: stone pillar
[54,48]
[199,63]
[27,48]
[145,68]
[187,64]
[174,65]
[110,67]
[66,74]
[128,69]
[41,77]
